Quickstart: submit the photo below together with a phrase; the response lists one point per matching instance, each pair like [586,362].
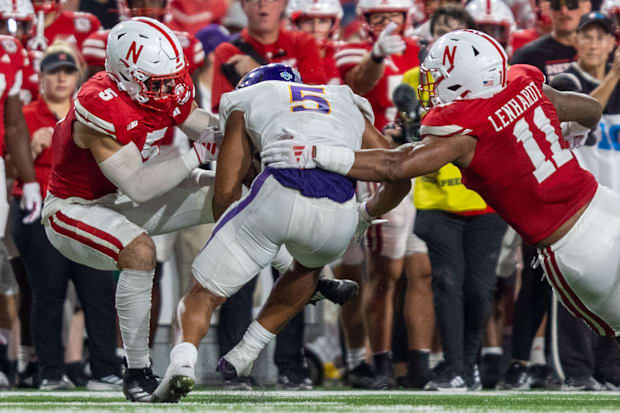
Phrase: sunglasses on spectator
[570,4]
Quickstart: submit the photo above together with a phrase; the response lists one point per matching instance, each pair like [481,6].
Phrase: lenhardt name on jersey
[508,113]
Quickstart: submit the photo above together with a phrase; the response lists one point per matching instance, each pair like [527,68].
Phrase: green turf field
[319,401]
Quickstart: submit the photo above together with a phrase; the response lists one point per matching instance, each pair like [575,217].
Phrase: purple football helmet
[272,71]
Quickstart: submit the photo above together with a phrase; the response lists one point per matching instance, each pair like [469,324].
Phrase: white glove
[206,151]
[364,220]
[574,134]
[31,201]
[211,134]
[288,153]
[388,43]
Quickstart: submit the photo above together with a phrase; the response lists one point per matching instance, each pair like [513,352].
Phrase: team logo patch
[82,24]
[9,45]
[286,76]
[183,94]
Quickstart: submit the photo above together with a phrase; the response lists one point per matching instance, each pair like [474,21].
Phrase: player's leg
[334,225]
[101,238]
[353,320]
[386,246]
[245,240]
[584,276]
[419,312]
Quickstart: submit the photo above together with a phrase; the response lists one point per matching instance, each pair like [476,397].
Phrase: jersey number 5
[311,99]
[543,167]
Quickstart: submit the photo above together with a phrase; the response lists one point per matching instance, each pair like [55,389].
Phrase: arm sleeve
[143,181]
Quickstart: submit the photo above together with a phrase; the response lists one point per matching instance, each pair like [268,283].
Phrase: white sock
[26,355]
[184,353]
[243,354]
[435,358]
[133,304]
[537,355]
[283,260]
[5,333]
[492,350]
[355,356]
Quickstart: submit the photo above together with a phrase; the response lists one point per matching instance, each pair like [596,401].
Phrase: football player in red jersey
[17,19]
[320,18]
[104,145]
[71,26]
[502,128]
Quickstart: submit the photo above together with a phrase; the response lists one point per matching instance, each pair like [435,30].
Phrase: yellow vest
[442,189]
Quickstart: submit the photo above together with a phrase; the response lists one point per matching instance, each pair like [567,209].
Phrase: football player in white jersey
[313,213]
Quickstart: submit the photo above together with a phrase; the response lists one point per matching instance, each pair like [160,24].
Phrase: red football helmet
[298,9]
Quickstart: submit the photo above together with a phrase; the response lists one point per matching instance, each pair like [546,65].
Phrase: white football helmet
[463,64]
[146,60]
[366,7]
[297,9]
[17,18]
[493,17]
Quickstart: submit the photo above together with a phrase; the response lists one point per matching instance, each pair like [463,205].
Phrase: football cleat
[178,381]
[139,384]
[336,291]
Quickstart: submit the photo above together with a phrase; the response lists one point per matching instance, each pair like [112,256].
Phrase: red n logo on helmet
[135,54]
[447,54]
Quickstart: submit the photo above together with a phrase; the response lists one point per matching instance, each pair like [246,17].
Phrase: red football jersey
[37,116]
[380,97]
[12,63]
[522,166]
[30,85]
[102,106]
[93,49]
[294,48]
[71,26]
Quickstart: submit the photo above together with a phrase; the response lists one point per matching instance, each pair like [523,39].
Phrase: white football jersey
[320,114]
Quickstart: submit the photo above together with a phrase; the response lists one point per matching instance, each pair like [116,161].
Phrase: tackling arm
[234,161]
[575,107]
[390,194]
[123,166]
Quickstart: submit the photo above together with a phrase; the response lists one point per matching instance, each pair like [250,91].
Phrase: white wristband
[334,158]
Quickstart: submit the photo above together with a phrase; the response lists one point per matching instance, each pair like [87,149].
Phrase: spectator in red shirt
[270,44]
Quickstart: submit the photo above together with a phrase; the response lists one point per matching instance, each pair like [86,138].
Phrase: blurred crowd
[450,297]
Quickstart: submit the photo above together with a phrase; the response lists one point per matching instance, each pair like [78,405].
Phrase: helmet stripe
[166,35]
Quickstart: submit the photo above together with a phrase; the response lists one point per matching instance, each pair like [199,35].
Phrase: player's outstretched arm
[575,107]
[390,194]
[405,162]
[233,163]
[17,139]
[123,166]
